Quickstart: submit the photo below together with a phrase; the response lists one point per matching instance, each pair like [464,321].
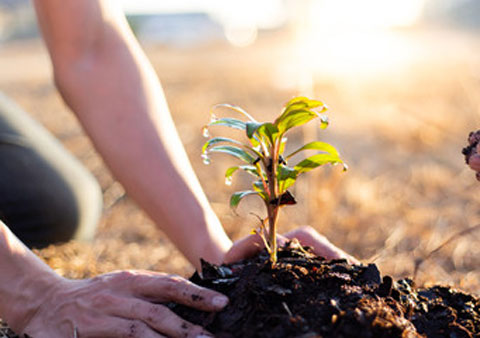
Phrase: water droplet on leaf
[324,122]
[205,132]
[228,180]
[206,159]
[213,118]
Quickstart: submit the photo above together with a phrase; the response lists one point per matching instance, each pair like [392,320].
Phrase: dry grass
[407,189]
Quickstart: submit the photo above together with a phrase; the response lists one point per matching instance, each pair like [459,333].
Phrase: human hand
[306,235]
[472,152]
[121,304]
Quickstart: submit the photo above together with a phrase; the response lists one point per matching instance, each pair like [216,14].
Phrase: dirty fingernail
[220,301]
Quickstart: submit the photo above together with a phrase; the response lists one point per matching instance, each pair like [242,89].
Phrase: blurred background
[401,78]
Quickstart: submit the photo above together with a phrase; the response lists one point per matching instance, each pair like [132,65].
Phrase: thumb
[248,247]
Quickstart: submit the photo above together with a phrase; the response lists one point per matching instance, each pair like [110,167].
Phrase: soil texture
[304,295]
[5,331]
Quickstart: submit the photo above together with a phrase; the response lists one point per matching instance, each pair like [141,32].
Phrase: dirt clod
[307,296]
[196,298]
[472,148]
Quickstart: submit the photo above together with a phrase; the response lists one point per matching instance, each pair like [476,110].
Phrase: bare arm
[106,79]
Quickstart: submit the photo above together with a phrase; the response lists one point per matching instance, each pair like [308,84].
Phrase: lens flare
[354,38]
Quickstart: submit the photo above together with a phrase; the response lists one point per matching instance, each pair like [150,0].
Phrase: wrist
[214,244]
[28,294]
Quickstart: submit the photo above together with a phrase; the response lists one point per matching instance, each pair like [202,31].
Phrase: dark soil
[472,149]
[307,296]
[5,331]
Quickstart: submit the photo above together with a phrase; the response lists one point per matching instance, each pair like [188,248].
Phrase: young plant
[264,158]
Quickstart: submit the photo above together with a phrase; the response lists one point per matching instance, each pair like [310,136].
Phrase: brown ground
[401,133]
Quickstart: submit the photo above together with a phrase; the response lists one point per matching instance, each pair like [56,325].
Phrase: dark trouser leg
[46,195]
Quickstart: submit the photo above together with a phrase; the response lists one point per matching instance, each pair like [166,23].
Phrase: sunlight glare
[355,38]
[366,13]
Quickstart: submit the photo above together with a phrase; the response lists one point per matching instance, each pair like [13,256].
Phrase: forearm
[118,98]
[24,280]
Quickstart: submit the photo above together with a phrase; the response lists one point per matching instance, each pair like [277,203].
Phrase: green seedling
[263,157]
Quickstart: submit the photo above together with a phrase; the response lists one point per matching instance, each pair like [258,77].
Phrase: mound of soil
[307,296]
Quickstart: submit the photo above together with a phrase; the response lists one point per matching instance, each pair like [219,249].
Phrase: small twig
[299,246]
[452,238]
[285,306]
[262,229]
[257,216]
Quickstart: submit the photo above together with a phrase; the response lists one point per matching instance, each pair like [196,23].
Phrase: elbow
[68,72]
[73,76]
[78,60]
[75,55]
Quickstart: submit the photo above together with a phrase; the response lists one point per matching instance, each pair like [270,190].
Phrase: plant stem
[273,210]
[260,172]
[273,236]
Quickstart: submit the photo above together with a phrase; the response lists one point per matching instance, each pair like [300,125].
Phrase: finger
[248,247]
[244,248]
[308,236]
[143,317]
[474,162]
[160,318]
[179,290]
[281,240]
[115,327]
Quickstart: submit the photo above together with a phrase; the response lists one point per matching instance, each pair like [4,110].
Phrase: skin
[306,235]
[474,162]
[37,301]
[106,79]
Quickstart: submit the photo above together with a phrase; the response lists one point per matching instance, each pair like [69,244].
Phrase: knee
[85,209]
[69,213]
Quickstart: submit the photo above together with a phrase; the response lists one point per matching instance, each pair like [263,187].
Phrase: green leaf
[239,195]
[286,177]
[317,145]
[216,140]
[234,151]
[302,102]
[258,187]
[284,172]
[315,161]
[247,168]
[283,143]
[295,118]
[229,122]
[269,130]
[256,152]
[324,122]
[230,171]
[235,108]
[298,111]
[265,129]
[308,103]
[251,128]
